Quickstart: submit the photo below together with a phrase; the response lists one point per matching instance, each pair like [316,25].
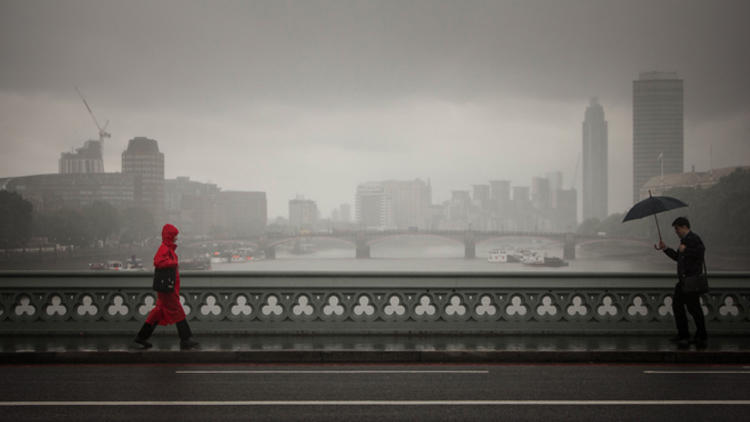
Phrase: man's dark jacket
[689,262]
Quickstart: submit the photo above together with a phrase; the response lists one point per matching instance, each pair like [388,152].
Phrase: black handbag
[696,283]
[164,279]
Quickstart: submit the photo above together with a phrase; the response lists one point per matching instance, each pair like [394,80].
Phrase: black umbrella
[652,206]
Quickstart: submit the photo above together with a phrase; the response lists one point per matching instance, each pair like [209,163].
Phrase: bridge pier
[270,252]
[569,246]
[297,247]
[363,251]
[470,249]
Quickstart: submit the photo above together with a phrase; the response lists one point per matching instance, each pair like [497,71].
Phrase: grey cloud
[214,55]
[459,91]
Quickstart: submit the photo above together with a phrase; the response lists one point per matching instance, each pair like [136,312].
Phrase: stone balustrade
[369,303]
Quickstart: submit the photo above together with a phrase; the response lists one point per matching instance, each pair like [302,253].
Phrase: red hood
[168,233]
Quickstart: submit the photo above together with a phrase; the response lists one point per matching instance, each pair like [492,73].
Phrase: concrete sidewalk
[371,348]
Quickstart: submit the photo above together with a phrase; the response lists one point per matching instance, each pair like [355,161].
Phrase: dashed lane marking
[325,371]
[697,372]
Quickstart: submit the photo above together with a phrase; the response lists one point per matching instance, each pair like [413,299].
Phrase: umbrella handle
[657,227]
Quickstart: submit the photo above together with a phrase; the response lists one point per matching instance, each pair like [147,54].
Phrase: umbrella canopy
[653,205]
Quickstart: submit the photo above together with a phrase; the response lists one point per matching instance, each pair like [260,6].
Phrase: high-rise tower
[87,159]
[594,162]
[143,160]
[657,127]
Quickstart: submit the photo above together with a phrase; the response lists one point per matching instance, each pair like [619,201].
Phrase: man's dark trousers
[682,300]
[690,262]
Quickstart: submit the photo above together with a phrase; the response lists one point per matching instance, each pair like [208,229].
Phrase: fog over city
[374,210]
[315,97]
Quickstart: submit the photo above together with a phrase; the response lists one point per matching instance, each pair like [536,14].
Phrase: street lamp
[661,161]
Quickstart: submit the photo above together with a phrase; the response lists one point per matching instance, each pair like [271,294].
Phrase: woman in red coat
[168,309]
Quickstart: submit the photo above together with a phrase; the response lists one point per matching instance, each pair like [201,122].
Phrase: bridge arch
[277,242]
[554,239]
[379,239]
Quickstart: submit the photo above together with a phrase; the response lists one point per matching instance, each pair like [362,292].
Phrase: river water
[420,254]
[416,255]
[430,264]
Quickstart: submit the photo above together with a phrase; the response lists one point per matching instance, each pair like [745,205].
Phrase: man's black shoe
[683,344]
[677,339]
[143,342]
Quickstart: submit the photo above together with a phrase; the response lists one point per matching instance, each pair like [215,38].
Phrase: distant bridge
[363,240]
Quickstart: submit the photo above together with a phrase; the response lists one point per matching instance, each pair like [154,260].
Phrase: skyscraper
[191,205]
[410,201]
[555,185]
[87,159]
[373,207]
[345,212]
[566,210]
[540,194]
[522,209]
[303,214]
[241,213]
[143,160]
[594,162]
[657,127]
[482,196]
[500,190]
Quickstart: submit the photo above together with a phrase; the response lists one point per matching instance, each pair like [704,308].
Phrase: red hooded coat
[168,309]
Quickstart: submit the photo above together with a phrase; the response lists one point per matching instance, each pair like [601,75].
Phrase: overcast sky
[313,97]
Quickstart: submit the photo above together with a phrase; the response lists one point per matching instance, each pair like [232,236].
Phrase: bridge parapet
[318,302]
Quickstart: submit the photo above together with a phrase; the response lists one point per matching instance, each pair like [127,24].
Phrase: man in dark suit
[689,257]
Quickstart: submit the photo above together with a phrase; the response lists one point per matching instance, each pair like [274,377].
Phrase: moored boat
[551,261]
[502,256]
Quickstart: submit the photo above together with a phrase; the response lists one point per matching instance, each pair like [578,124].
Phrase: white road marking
[335,372]
[389,403]
[697,372]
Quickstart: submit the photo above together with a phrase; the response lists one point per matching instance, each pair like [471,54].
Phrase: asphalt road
[374,392]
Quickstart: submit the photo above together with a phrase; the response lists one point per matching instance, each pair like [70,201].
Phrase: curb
[356,356]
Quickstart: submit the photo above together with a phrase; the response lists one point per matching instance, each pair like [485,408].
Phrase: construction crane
[102,129]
